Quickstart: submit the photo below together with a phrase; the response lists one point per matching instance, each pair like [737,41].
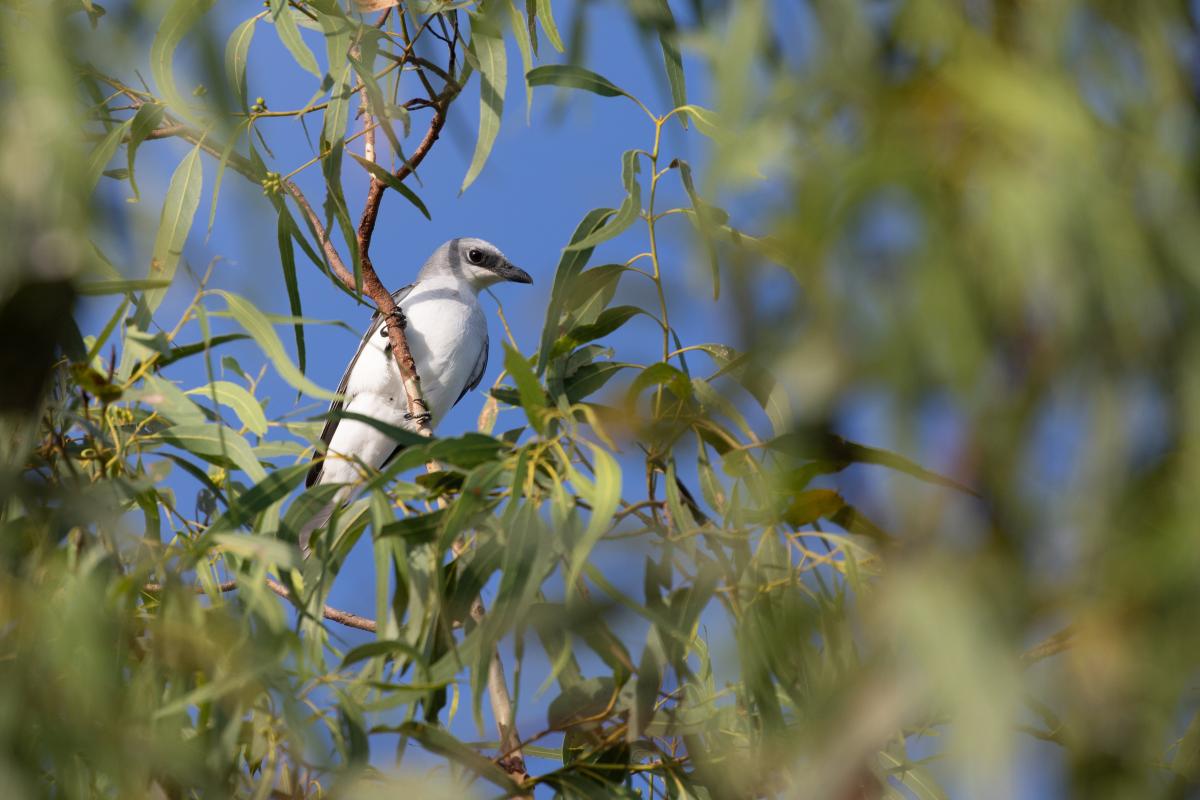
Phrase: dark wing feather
[331,423]
[480,367]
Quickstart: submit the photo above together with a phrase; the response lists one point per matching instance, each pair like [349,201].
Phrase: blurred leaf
[672,60]
[811,505]
[103,153]
[439,741]
[178,211]
[705,119]
[179,19]
[835,453]
[383,647]
[604,495]
[702,223]
[237,52]
[583,701]
[915,777]
[260,549]
[92,288]
[147,118]
[289,34]
[487,44]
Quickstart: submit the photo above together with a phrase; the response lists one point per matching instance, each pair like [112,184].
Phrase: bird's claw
[401,320]
[421,419]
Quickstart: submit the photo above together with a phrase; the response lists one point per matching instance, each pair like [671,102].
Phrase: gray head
[479,263]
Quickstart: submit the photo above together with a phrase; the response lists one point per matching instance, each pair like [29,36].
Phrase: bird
[448,337]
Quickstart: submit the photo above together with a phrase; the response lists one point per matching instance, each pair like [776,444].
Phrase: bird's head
[478,262]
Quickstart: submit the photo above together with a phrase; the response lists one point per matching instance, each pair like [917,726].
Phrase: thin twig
[347,618]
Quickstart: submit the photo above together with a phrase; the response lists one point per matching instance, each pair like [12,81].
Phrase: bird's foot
[421,419]
[401,320]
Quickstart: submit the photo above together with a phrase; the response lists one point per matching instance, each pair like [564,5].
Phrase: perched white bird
[448,337]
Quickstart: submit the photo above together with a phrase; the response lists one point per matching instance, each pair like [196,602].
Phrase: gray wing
[480,367]
[331,422]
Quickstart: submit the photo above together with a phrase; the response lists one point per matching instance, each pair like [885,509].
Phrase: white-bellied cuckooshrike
[448,337]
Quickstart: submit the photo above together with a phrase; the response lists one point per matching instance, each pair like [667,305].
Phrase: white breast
[444,334]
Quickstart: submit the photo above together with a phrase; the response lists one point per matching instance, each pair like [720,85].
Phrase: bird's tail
[319,520]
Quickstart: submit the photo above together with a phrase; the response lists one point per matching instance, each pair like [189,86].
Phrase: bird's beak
[513,273]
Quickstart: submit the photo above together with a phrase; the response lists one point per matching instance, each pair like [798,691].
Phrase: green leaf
[400,435]
[189,350]
[671,57]
[260,497]
[915,777]
[836,453]
[590,378]
[333,146]
[586,699]
[167,400]
[811,505]
[439,741]
[103,153]
[569,266]
[546,15]
[259,327]
[217,444]
[289,34]
[93,288]
[592,291]
[389,179]
[382,647]
[260,549]
[604,495]
[520,26]
[378,107]
[179,209]
[662,374]
[649,679]
[533,398]
[237,53]
[147,118]
[287,260]
[705,119]
[487,44]
[241,401]
[703,223]
[627,214]
[222,163]
[179,19]
[573,77]
[609,320]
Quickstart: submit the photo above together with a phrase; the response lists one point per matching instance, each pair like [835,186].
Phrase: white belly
[444,336]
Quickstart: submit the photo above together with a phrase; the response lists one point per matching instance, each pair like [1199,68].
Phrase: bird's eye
[475,256]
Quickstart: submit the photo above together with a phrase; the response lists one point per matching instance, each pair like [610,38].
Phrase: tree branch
[350,620]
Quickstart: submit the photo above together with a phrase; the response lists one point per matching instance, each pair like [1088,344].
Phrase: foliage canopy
[968,229]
